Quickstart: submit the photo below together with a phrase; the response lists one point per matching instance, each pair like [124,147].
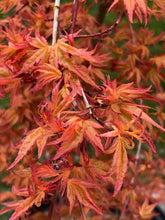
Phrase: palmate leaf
[69,145]
[159,61]
[47,73]
[7,5]
[6,195]
[49,57]
[27,203]
[66,48]
[146,210]
[132,6]
[41,142]
[28,142]
[77,130]
[139,113]
[38,56]
[77,188]
[91,135]
[80,71]
[121,99]
[71,137]
[10,206]
[6,79]
[120,161]
[38,52]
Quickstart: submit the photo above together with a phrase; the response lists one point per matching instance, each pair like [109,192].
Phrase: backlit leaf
[69,145]
[130,5]
[92,136]
[8,80]
[27,203]
[119,162]
[77,188]
[28,142]
[146,210]
[121,159]
[138,112]
[47,73]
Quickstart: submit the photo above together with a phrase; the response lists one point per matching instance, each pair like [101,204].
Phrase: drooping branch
[55,22]
[74,16]
[107,31]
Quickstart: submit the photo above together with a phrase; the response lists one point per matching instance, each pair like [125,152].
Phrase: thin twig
[50,211]
[74,16]
[55,22]
[82,211]
[107,31]
[132,33]
[136,160]
[124,208]
[87,105]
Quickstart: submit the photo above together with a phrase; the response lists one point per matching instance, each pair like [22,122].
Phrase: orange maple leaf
[7,5]
[21,206]
[27,203]
[132,6]
[77,188]
[27,144]
[76,130]
[146,210]
[119,162]
[40,52]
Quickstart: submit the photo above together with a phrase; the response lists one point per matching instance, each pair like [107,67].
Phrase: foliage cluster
[79,132]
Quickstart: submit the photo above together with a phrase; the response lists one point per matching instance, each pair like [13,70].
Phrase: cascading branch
[69,132]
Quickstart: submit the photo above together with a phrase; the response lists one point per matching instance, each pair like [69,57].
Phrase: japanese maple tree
[84,117]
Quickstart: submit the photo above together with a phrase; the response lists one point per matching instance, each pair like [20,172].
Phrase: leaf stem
[124,208]
[74,16]
[82,211]
[132,32]
[55,22]
[50,211]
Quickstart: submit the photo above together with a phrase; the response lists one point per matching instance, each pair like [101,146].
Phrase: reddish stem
[74,16]
[50,211]
[109,30]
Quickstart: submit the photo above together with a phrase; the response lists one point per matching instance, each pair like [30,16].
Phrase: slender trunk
[103,6]
[55,22]
[74,16]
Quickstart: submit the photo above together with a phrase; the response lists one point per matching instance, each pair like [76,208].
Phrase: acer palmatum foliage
[70,132]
